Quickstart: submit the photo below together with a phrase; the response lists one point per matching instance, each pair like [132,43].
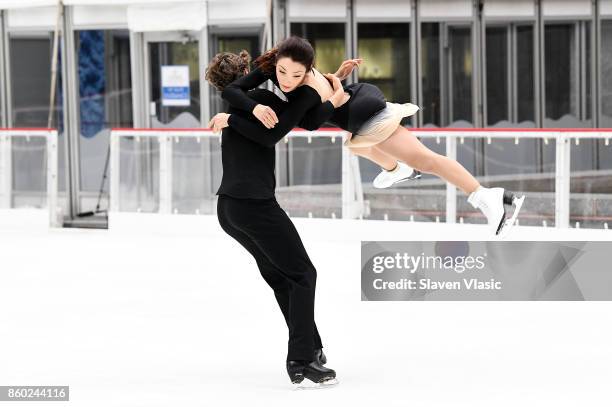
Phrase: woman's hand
[347,67]
[337,99]
[218,122]
[266,115]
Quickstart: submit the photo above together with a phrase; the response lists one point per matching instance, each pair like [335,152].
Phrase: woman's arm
[317,116]
[288,119]
[235,92]
[235,95]
[255,131]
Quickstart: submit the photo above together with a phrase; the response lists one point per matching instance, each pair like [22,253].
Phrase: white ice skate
[491,202]
[401,172]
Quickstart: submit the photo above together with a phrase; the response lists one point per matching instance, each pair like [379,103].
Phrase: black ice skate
[319,375]
[320,356]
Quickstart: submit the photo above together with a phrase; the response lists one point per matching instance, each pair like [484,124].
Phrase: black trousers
[265,230]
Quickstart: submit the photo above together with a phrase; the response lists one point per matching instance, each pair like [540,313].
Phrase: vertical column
[451,190]
[562,181]
[5,171]
[165,173]
[139,104]
[55,212]
[114,172]
[352,191]
[4,94]
[348,191]
[71,114]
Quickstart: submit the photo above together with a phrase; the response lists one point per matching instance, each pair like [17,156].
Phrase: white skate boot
[491,202]
[401,172]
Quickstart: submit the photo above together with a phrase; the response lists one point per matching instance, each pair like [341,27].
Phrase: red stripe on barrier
[25,129]
[423,129]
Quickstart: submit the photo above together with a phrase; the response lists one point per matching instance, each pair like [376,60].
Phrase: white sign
[175,85]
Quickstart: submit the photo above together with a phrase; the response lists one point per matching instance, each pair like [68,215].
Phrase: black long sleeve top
[312,119]
[366,100]
[248,147]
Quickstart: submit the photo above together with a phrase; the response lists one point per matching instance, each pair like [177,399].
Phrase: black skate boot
[314,371]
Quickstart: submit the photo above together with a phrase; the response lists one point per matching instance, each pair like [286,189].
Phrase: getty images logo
[413,263]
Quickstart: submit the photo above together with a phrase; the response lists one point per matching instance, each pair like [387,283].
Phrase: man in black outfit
[248,211]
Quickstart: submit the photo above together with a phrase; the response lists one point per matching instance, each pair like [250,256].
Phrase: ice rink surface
[169,311]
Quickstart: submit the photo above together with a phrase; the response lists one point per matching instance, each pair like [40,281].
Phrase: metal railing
[353,205]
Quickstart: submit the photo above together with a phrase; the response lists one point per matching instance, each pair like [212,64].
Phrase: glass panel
[175,53]
[196,174]
[566,80]
[497,75]
[385,49]
[105,101]
[29,156]
[525,76]
[139,174]
[591,184]
[422,200]
[606,73]
[430,55]
[30,82]
[513,167]
[461,76]
[311,182]
[447,100]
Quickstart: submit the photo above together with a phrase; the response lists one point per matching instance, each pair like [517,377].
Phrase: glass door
[173,73]
[103,93]
[173,86]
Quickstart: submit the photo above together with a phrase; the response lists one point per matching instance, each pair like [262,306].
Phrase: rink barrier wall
[50,215]
[352,192]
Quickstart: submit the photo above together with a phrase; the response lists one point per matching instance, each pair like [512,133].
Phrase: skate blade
[509,223]
[308,385]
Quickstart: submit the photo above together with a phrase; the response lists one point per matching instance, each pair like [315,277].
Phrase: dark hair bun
[226,67]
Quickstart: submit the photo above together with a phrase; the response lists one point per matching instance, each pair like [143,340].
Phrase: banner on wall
[175,85]
[486,270]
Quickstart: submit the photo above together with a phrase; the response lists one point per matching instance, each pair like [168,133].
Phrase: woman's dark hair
[226,67]
[296,48]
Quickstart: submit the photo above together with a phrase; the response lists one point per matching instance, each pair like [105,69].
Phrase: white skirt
[380,126]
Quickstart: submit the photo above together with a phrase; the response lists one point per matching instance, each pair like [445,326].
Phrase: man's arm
[317,116]
[288,119]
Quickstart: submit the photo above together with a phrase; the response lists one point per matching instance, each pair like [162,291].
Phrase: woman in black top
[248,211]
[377,132]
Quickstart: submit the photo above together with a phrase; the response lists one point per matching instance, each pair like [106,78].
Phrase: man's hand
[266,115]
[347,67]
[338,98]
[218,122]
[336,84]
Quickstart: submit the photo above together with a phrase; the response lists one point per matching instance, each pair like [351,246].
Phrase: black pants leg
[265,230]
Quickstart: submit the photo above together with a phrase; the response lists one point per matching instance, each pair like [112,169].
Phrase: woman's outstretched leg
[393,171]
[377,156]
[404,146]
